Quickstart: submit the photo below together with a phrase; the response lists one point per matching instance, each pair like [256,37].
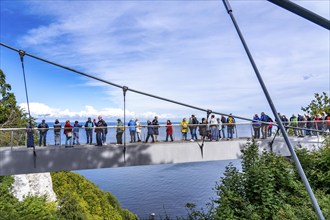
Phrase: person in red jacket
[169,130]
[68,133]
[327,122]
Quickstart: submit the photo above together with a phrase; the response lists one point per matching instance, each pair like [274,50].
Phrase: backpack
[230,120]
[89,124]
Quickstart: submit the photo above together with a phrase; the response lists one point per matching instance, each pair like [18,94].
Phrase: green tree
[11,115]
[269,187]
[320,104]
[81,199]
[29,208]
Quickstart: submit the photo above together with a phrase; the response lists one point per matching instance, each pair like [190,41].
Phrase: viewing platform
[22,160]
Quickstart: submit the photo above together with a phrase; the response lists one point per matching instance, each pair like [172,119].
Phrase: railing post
[11,139]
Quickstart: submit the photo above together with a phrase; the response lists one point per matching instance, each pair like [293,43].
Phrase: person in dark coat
[57,132]
[150,132]
[156,128]
[203,129]
[43,128]
[30,135]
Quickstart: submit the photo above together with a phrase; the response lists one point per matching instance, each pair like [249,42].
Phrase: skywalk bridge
[23,160]
[20,160]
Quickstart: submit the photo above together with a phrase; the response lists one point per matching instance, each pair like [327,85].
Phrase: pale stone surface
[38,184]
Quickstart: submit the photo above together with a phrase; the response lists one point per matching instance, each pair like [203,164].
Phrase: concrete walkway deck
[21,160]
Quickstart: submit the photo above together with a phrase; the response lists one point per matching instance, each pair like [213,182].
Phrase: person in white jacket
[138,129]
[219,128]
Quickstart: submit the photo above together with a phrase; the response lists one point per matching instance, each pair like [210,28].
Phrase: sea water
[161,189]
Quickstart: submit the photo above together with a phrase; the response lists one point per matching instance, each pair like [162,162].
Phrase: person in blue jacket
[132,129]
[256,126]
[264,126]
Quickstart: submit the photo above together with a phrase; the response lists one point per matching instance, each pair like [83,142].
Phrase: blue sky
[182,50]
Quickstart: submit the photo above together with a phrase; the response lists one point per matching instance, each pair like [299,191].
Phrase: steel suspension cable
[22,54]
[128,89]
[272,106]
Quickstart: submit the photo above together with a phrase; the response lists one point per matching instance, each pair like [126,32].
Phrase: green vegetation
[320,104]
[81,199]
[77,198]
[269,187]
[30,208]
[11,116]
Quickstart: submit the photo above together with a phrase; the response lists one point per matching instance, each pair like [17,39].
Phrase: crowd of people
[212,129]
[302,125]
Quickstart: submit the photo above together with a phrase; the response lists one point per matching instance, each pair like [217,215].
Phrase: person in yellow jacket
[184,128]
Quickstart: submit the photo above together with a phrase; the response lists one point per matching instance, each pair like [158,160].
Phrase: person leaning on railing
[184,128]
[169,130]
[256,126]
[119,131]
[30,135]
[202,129]
[68,133]
[57,132]
[99,130]
[89,131]
[138,129]
[230,126]
[43,128]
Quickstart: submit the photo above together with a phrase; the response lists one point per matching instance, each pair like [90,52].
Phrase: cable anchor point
[125,88]
[21,54]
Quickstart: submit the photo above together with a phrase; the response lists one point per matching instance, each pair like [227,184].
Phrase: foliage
[81,199]
[30,208]
[316,164]
[77,199]
[269,187]
[11,115]
[320,104]
[202,214]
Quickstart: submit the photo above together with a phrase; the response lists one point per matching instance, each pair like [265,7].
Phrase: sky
[187,51]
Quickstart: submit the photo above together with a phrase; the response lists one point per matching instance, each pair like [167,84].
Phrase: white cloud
[186,51]
[41,111]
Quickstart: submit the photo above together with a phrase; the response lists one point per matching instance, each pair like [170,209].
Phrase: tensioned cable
[21,54]
[128,89]
[133,90]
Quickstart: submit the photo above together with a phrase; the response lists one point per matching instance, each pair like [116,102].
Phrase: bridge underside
[19,160]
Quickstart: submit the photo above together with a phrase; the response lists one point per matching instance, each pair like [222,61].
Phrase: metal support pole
[11,139]
[302,12]
[125,88]
[272,106]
